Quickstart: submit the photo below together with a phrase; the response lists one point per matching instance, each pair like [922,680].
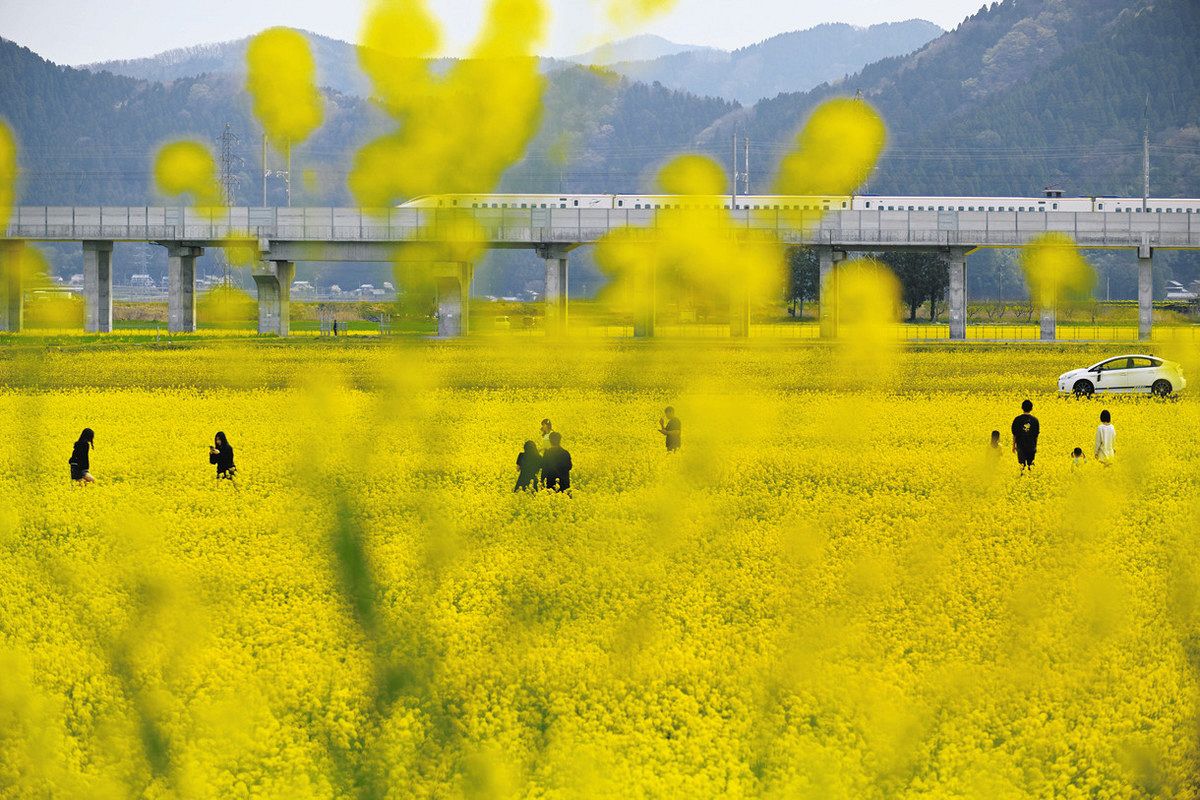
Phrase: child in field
[1106,439]
[996,442]
[672,430]
[1078,459]
[79,457]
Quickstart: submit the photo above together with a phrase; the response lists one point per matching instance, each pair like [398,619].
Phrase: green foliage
[923,277]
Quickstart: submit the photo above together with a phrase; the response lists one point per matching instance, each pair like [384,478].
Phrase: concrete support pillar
[11,287]
[645,302]
[274,284]
[97,287]
[829,258]
[739,312]
[956,260]
[454,301]
[1145,293]
[557,285]
[1049,323]
[181,287]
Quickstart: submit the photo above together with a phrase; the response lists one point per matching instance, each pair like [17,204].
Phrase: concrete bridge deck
[284,236]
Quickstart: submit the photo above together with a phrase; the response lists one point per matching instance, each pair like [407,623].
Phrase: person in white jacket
[1106,439]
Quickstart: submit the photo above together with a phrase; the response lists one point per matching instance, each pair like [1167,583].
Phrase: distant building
[303,290]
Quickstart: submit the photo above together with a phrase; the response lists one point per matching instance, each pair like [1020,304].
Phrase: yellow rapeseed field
[834,591]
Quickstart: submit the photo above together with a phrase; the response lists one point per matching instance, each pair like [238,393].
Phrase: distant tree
[923,277]
[804,279]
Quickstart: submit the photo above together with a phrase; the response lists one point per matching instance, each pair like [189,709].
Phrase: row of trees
[923,277]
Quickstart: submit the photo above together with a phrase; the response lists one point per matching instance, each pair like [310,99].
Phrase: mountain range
[789,62]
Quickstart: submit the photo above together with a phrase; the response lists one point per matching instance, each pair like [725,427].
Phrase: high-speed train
[863,202]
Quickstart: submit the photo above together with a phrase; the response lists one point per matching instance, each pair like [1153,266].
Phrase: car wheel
[1162,388]
[1084,389]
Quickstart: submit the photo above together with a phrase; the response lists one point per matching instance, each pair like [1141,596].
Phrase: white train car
[1154,205]
[868,202]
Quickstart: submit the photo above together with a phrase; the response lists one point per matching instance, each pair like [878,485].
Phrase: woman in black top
[79,457]
[221,454]
[530,464]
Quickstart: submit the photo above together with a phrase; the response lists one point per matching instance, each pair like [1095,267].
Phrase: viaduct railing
[532,227]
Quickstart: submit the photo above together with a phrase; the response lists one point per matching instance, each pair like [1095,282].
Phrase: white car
[1125,374]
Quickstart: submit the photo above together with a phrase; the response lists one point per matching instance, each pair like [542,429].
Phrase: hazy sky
[83,31]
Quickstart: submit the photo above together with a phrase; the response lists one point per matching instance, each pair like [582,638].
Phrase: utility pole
[287,175]
[1146,157]
[746,173]
[265,171]
[229,177]
[733,196]
[230,181]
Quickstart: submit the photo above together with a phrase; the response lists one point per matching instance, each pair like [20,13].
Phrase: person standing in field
[1025,431]
[672,429]
[995,441]
[220,452]
[556,465]
[547,429]
[529,464]
[1106,439]
[79,460]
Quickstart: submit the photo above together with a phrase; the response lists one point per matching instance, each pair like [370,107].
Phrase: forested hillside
[1032,92]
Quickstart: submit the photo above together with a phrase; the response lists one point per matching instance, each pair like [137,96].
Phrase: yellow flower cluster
[835,590]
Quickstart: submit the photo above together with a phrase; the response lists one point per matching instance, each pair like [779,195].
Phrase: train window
[441,203]
[620,203]
[1056,206]
[577,204]
[474,205]
[868,204]
[843,204]
[523,205]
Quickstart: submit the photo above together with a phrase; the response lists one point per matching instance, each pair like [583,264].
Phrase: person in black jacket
[556,465]
[1025,431]
[529,462]
[79,457]
[221,454]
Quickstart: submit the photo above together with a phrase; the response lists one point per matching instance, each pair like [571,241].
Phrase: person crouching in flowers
[220,452]
[79,457]
[529,462]
[1078,459]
